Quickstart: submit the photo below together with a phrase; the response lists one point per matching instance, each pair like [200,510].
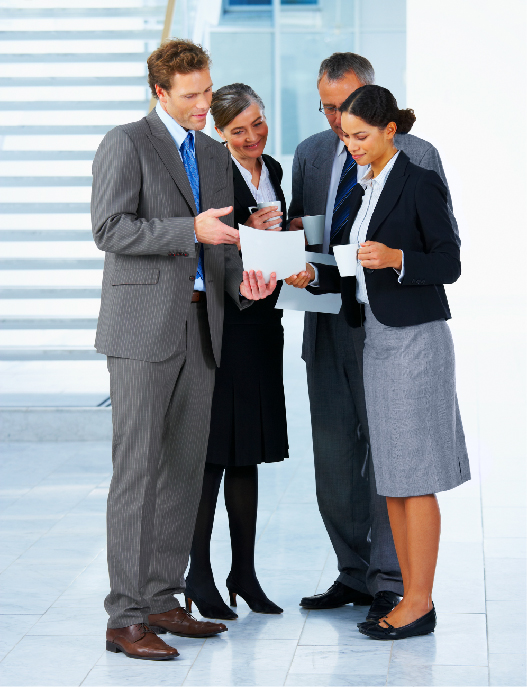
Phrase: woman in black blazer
[248,420]
[408,250]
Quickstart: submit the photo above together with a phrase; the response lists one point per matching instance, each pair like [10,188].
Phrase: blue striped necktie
[341,209]
[188,155]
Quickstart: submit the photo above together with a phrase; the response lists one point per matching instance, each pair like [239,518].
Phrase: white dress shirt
[373,188]
[179,134]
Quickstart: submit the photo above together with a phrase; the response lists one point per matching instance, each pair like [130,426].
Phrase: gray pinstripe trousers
[161,416]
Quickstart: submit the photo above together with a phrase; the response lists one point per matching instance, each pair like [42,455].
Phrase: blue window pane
[245,3]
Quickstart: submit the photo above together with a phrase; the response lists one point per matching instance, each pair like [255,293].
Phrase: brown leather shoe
[139,641]
[179,622]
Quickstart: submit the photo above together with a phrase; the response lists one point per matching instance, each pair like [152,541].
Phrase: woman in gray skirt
[407,251]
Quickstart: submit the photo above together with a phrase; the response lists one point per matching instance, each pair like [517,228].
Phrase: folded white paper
[300,299]
[282,252]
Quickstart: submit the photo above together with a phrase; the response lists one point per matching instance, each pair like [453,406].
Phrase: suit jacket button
[192,278]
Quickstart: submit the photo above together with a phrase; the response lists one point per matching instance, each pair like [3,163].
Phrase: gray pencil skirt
[416,435]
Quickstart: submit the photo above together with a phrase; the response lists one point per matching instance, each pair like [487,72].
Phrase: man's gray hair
[340,63]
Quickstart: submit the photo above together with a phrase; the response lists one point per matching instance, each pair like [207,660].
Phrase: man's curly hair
[175,56]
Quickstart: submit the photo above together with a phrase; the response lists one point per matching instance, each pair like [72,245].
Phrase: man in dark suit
[355,517]
[169,260]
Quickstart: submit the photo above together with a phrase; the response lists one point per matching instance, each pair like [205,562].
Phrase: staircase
[70,70]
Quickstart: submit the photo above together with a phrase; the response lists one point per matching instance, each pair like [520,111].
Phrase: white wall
[466,81]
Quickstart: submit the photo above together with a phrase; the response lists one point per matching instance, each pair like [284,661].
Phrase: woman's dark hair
[377,107]
[230,101]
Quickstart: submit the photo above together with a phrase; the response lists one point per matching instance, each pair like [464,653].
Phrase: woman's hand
[254,287]
[296,224]
[302,279]
[259,218]
[377,256]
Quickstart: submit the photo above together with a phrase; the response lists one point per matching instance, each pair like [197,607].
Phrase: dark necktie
[188,156]
[341,210]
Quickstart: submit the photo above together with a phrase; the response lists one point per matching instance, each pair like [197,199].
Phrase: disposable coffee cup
[314,229]
[346,257]
[270,204]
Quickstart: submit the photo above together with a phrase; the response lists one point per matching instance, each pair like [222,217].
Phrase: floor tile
[52,661]
[504,522]
[436,675]
[15,627]
[334,680]
[362,658]
[507,670]
[505,579]
[457,640]
[505,637]
[334,627]
[505,548]
[171,673]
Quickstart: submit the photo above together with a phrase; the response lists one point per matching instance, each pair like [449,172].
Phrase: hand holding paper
[253,286]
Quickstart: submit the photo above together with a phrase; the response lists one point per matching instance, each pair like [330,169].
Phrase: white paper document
[300,299]
[282,252]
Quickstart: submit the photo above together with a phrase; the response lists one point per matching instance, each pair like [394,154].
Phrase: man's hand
[302,279]
[377,256]
[209,229]
[259,219]
[296,224]
[254,287]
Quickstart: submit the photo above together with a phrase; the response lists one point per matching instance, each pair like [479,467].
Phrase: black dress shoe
[383,603]
[337,595]
[422,626]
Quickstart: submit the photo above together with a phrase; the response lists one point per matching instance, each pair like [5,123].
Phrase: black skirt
[248,420]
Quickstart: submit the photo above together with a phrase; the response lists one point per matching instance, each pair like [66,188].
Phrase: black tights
[241,500]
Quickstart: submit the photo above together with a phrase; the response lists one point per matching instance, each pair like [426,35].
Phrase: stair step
[70,82]
[47,292]
[140,57]
[36,105]
[43,353]
[58,130]
[37,208]
[148,12]
[75,36]
[51,263]
[45,181]
[36,322]
[45,235]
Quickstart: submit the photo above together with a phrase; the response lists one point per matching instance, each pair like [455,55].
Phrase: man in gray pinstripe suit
[169,260]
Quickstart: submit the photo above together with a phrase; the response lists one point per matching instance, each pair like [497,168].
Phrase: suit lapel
[242,192]
[323,162]
[275,181]
[389,195]
[167,150]
[206,169]
[355,202]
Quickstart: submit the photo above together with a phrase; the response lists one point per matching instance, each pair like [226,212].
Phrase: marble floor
[53,579]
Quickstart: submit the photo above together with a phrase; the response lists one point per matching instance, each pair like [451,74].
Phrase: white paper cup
[314,229]
[346,257]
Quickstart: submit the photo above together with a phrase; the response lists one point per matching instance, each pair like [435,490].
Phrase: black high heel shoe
[207,609]
[257,605]
[422,626]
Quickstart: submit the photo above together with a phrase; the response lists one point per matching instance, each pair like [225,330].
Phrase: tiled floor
[53,577]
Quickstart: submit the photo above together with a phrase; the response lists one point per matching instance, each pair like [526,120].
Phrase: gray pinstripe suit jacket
[311,178]
[143,218]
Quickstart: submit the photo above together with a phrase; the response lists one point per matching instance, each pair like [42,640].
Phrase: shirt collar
[247,174]
[177,132]
[379,180]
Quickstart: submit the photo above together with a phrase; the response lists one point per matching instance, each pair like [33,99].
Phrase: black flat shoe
[422,626]
[337,595]
[207,609]
[383,603]
[256,604]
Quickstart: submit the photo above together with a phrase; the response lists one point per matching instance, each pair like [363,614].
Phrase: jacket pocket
[136,275]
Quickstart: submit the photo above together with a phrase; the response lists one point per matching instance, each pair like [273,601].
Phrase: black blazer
[411,214]
[264,310]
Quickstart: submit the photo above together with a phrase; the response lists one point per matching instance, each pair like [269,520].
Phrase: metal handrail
[171,4]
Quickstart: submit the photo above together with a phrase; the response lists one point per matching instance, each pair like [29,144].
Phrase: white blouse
[265,192]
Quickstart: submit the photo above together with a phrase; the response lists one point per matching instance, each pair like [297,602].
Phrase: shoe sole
[325,608]
[116,649]
[163,631]
[392,639]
